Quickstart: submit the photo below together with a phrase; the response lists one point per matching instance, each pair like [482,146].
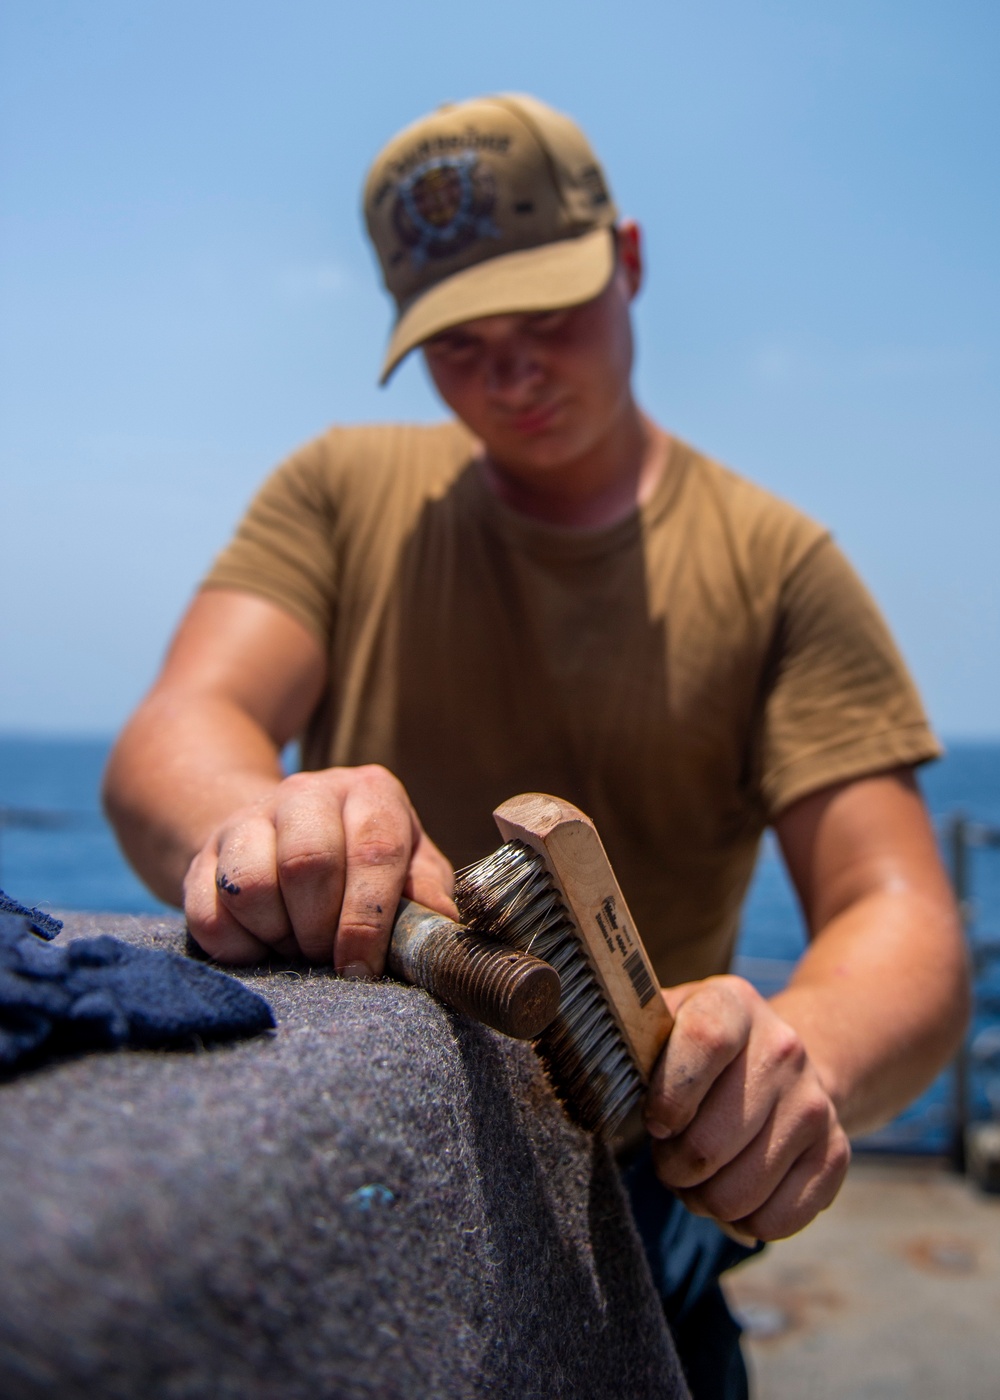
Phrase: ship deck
[892,1292]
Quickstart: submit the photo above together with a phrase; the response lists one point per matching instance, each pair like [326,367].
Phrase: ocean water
[74,862]
[57,852]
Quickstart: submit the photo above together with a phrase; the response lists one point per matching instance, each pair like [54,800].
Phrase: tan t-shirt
[682,676]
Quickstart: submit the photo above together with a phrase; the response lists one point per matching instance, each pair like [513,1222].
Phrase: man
[551,593]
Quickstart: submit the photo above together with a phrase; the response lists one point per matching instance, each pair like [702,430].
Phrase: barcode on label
[639,976]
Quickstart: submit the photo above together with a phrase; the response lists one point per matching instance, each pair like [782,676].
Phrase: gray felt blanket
[379,1199]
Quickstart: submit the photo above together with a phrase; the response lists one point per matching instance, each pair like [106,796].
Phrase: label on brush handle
[621,944]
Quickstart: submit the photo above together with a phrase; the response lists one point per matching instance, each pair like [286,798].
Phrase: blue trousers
[686,1255]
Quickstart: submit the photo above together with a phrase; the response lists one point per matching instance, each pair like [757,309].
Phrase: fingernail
[356,971]
[657,1130]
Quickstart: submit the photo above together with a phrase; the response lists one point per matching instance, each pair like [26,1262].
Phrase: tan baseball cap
[483,208]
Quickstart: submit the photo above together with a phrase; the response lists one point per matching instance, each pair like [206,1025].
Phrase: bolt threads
[512,991]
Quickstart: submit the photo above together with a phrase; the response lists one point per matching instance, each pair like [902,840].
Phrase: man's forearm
[176,772]
[880,1000]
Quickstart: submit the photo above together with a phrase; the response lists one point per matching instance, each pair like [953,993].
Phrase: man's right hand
[315,869]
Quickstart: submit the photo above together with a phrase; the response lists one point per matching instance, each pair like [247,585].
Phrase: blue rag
[100,993]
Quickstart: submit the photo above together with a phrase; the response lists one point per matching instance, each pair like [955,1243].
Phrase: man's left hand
[743,1128]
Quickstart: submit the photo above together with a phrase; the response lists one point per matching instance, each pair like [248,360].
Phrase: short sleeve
[284,548]
[839,700]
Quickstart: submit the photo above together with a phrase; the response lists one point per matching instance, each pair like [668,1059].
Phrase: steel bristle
[510,896]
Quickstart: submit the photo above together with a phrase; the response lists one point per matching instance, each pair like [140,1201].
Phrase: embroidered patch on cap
[445,204]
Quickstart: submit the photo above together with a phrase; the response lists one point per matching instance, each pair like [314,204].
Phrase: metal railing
[980,1051]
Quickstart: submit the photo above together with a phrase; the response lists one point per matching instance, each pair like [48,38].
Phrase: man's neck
[596,490]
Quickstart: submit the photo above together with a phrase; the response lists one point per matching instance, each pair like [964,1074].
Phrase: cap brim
[564,273]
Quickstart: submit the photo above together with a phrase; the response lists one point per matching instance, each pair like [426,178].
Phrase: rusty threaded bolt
[513,992]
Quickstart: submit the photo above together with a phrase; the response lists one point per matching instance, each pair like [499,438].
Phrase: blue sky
[186,295]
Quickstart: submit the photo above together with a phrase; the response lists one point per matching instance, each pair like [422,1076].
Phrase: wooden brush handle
[568,842]
[513,992]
